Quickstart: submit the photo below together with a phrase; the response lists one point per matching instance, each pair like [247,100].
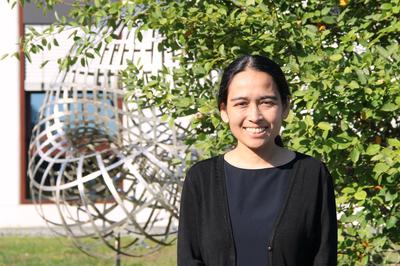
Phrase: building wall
[9,117]
[13,214]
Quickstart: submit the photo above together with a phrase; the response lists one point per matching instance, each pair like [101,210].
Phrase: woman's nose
[254,114]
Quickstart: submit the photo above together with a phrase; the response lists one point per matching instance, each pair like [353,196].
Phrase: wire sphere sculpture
[109,167]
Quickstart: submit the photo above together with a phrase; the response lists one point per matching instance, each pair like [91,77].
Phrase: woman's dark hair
[256,62]
[259,63]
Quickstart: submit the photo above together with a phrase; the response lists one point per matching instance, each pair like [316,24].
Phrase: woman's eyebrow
[239,98]
[270,97]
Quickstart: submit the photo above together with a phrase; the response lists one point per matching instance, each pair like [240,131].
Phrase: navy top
[255,197]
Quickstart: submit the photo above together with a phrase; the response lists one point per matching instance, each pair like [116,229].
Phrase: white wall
[9,109]
[12,213]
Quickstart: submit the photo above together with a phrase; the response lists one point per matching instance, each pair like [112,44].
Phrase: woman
[260,203]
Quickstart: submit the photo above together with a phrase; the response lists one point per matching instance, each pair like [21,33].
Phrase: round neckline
[263,168]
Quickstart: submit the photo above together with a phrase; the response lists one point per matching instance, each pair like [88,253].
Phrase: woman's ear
[224,114]
[286,109]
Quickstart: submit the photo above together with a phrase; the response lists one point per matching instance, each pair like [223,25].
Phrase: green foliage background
[341,59]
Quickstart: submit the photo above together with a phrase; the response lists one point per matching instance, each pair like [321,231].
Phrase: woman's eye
[267,103]
[241,104]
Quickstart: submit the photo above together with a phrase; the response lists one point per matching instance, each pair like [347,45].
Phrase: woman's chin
[259,146]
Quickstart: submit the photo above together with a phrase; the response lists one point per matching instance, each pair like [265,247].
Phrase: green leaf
[353,85]
[199,70]
[27,55]
[354,155]
[325,11]
[373,149]
[329,19]
[221,49]
[386,6]
[183,102]
[324,126]
[393,142]
[397,101]
[163,21]
[392,222]
[55,42]
[215,121]
[89,55]
[361,76]
[343,125]
[389,107]
[44,63]
[380,168]
[382,51]
[360,195]
[109,39]
[335,57]
[348,190]
[3,56]
[250,2]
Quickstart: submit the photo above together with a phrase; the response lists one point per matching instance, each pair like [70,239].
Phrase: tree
[341,59]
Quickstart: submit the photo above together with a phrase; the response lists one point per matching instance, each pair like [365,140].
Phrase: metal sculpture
[104,163]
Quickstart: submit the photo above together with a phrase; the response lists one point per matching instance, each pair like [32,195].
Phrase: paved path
[24,231]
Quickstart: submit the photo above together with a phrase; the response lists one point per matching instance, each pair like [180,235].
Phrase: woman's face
[254,110]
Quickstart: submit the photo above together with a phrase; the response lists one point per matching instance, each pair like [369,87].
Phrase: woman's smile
[256,131]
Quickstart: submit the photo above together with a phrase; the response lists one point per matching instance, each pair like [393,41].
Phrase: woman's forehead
[251,82]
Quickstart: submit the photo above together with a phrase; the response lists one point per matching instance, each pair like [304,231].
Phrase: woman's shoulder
[308,160]
[310,163]
[204,170]
[205,164]
[311,168]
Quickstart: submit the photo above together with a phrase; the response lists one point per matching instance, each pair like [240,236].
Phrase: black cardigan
[305,232]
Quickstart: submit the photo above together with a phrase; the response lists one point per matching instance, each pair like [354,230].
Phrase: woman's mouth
[255,130]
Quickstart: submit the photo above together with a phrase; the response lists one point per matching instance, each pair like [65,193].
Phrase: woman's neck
[244,157]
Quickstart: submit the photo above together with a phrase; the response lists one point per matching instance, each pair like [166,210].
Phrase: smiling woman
[260,203]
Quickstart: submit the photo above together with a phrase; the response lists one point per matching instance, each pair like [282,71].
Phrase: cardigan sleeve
[188,235]
[327,251]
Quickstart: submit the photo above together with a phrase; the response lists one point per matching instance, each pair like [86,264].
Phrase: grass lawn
[51,251]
